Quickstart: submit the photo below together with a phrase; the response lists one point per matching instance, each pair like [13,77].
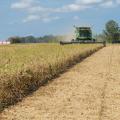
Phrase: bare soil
[88,91]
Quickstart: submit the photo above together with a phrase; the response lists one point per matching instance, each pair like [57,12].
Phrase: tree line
[32,39]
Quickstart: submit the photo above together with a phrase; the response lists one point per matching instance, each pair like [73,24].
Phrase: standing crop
[23,68]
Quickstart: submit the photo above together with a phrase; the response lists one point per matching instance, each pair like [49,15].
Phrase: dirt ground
[88,91]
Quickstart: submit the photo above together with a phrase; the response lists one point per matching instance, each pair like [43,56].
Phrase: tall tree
[111,31]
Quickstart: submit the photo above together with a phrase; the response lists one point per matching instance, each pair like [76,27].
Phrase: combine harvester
[83,36]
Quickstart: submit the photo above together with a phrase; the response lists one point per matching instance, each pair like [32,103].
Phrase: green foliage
[112,32]
[14,40]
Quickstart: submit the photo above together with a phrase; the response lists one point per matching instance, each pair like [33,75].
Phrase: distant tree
[32,39]
[14,40]
[111,31]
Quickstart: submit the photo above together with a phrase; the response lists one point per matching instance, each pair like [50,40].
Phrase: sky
[57,17]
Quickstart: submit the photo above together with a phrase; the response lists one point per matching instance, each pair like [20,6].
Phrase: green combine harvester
[83,35]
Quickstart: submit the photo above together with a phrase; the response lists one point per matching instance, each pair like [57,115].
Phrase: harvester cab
[83,34]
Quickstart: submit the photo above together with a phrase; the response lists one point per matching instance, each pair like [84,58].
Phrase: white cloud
[72,8]
[37,12]
[118,1]
[31,18]
[22,4]
[49,19]
[108,4]
[88,1]
[43,18]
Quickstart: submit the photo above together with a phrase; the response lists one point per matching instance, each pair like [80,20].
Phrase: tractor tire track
[112,92]
[108,73]
[88,91]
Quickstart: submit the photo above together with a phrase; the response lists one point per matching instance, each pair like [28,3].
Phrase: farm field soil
[88,91]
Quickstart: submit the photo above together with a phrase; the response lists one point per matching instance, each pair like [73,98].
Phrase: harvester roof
[84,28]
